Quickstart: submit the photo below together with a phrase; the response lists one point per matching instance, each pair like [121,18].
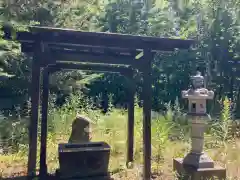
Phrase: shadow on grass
[53,177]
[14,178]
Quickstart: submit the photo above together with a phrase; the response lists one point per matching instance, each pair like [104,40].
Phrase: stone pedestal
[197,165]
[83,161]
[185,172]
[196,157]
[200,160]
[60,177]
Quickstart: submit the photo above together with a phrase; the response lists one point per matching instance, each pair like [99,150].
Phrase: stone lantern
[197,99]
[197,163]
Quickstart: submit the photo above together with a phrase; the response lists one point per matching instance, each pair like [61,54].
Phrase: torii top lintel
[61,36]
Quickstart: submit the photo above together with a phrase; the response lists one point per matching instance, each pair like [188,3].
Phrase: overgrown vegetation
[214,23]
[170,138]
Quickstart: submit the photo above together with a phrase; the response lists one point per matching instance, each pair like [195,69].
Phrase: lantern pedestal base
[188,172]
[198,160]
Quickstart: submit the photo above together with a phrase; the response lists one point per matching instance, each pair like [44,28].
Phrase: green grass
[170,139]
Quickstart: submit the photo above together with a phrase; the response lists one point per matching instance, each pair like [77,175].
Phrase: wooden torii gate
[55,49]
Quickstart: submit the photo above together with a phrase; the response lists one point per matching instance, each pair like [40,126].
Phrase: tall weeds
[112,128]
[220,128]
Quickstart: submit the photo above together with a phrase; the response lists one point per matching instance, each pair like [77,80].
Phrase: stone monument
[197,164]
[80,158]
[81,130]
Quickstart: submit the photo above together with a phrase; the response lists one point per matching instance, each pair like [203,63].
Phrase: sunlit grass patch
[170,139]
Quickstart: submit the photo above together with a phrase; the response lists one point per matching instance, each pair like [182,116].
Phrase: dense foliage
[214,23]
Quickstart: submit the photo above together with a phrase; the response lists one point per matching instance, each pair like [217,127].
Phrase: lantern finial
[197,80]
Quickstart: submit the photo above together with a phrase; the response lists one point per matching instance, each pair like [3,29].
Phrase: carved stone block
[84,160]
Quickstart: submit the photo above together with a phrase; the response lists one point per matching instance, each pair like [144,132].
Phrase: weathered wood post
[35,89]
[147,100]
[130,128]
[44,124]
[197,164]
